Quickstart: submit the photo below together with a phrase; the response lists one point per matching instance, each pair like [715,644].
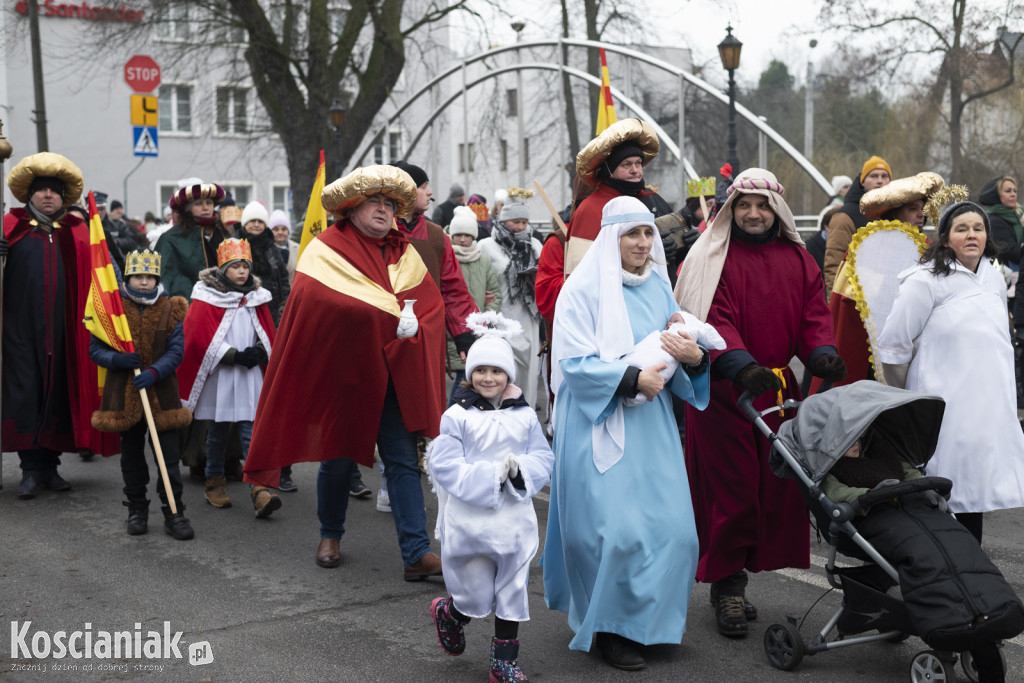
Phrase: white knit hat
[494,351]
[839,182]
[463,222]
[278,217]
[255,211]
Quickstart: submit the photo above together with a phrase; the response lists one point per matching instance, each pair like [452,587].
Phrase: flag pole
[5,154]
[155,437]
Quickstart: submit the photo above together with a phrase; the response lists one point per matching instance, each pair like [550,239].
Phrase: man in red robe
[50,386]
[751,278]
[342,377]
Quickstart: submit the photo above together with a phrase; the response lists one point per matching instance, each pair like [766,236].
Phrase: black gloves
[670,246]
[248,358]
[126,361]
[758,379]
[464,341]
[3,246]
[829,367]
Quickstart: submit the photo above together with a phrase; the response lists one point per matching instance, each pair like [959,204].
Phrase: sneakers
[264,501]
[286,484]
[730,616]
[215,493]
[504,664]
[449,629]
[360,490]
[383,501]
[138,518]
[176,525]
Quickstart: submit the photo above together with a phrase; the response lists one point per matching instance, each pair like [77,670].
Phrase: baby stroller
[951,617]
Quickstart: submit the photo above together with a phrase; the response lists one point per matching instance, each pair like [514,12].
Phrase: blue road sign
[145,141]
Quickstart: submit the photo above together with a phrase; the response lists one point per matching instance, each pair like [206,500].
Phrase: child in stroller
[859,452]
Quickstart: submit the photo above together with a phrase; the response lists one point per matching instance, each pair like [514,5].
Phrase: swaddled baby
[648,351]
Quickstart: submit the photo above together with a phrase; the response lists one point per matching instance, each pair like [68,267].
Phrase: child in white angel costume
[489,461]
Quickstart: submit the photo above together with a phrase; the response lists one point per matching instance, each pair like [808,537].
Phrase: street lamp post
[518,25]
[729,52]
[337,113]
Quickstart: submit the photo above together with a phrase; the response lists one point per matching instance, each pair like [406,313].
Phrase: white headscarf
[591,318]
[702,269]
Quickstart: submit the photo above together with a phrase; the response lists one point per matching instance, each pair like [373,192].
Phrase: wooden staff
[156,447]
[551,208]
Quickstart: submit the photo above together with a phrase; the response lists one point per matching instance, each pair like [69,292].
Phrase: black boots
[176,525]
[138,517]
[619,652]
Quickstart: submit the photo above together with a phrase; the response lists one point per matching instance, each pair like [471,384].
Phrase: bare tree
[957,38]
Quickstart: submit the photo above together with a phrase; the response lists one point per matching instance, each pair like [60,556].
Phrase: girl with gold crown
[228,336]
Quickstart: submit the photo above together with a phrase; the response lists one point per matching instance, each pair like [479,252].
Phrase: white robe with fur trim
[488,531]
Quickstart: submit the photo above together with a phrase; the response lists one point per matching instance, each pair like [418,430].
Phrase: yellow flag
[605,105]
[316,215]
[104,313]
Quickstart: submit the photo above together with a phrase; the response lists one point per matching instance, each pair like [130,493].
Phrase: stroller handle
[940,485]
[746,403]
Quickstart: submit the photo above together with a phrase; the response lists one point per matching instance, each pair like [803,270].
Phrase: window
[503,148]
[231,110]
[175,108]
[465,164]
[512,97]
[240,192]
[172,22]
[394,147]
[526,152]
[280,198]
[224,32]
[164,192]
[336,18]
[378,149]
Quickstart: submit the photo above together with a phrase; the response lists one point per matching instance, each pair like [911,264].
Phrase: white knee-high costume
[488,527]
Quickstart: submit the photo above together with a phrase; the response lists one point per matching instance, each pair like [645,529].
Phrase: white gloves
[509,468]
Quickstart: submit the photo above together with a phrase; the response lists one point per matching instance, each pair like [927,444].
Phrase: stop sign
[142,74]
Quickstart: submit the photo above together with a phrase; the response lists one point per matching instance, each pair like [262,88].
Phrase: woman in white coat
[514,254]
[947,334]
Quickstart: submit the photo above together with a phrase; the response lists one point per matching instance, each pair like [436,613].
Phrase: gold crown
[143,262]
[233,249]
[230,214]
[700,187]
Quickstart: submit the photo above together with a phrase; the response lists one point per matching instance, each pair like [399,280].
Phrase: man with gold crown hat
[358,362]
[191,244]
[894,209]
[749,276]
[50,387]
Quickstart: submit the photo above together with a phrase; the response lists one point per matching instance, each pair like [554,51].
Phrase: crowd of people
[607,360]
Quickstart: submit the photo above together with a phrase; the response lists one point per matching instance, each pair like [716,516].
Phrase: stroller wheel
[930,667]
[969,665]
[784,646]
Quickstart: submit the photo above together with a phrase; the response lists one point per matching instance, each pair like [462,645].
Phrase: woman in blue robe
[621,548]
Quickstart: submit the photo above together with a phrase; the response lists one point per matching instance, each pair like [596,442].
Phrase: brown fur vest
[120,408]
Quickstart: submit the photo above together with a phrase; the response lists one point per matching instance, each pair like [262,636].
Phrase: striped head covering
[189,193]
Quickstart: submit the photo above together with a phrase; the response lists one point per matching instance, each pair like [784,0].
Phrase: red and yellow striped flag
[605,105]
[316,214]
[104,313]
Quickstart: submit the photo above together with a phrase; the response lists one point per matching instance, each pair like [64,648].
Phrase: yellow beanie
[872,164]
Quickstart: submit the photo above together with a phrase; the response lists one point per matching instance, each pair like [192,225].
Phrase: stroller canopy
[827,424]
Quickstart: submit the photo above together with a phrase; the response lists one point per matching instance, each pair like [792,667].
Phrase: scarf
[226,285]
[627,187]
[636,279]
[142,298]
[45,221]
[467,254]
[1011,216]
[519,249]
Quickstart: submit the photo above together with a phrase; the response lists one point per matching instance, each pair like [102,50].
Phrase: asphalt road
[250,589]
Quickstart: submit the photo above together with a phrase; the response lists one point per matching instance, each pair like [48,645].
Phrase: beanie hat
[839,182]
[872,164]
[456,190]
[493,351]
[463,222]
[279,217]
[418,175]
[515,206]
[946,222]
[624,150]
[255,211]
[115,205]
[55,184]
[500,195]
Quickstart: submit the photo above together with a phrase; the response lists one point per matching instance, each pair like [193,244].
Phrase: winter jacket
[270,267]
[184,251]
[159,340]
[480,279]
[841,229]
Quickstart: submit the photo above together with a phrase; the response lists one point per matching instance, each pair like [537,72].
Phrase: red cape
[336,351]
[84,387]
[201,323]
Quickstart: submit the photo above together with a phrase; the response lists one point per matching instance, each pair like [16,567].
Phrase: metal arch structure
[689,78]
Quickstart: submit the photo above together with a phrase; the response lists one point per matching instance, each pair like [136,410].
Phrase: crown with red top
[233,249]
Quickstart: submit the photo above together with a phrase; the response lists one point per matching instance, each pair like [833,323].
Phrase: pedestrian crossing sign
[145,140]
